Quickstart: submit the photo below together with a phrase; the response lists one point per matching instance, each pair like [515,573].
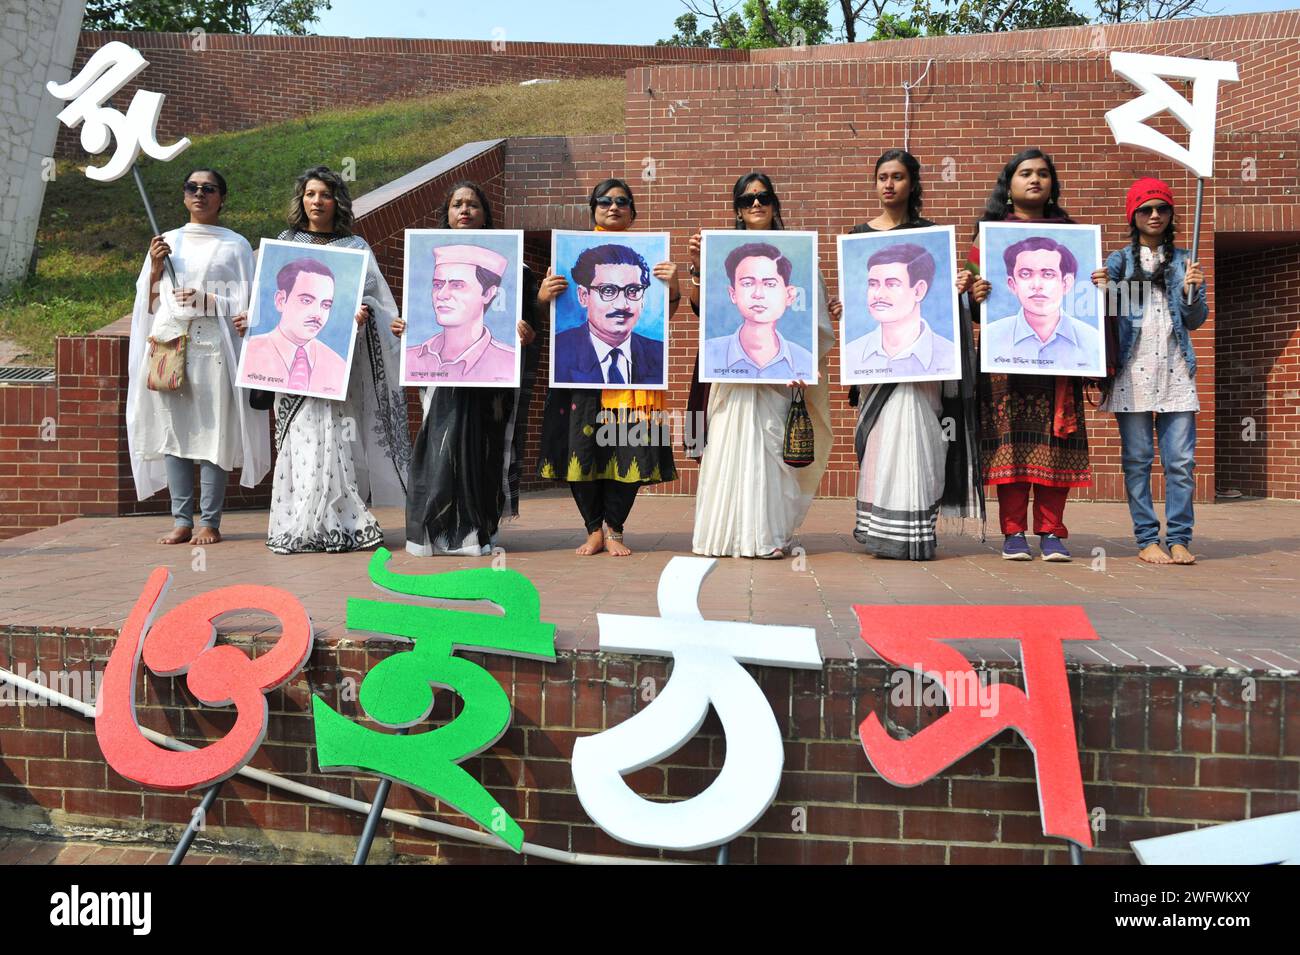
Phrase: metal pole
[376,813]
[1076,854]
[153,221]
[196,822]
[724,853]
[1196,230]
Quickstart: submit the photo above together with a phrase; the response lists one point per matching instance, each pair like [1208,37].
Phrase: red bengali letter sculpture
[182,642]
[1041,713]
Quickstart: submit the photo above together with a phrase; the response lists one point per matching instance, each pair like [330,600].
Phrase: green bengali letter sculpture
[398,692]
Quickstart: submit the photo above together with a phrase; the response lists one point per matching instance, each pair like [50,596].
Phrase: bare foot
[207,535]
[617,548]
[1154,554]
[594,545]
[1182,555]
[179,535]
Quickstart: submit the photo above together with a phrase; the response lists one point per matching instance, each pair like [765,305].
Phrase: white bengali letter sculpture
[1128,122]
[1146,72]
[707,669]
[110,68]
[1264,840]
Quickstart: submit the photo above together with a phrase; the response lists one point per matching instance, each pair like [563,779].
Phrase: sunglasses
[607,293]
[1163,209]
[763,198]
[194,188]
[606,201]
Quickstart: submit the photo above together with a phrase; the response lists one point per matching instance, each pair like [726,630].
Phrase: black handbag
[260,400]
[797,448]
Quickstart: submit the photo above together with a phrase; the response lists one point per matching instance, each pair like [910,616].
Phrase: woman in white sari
[749,502]
[911,469]
[336,457]
[206,420]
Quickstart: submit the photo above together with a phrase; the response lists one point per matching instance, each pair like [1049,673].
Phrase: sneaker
[1015,547]
[1053,548]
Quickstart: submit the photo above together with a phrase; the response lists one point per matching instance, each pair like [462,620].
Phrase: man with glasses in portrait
[611,282]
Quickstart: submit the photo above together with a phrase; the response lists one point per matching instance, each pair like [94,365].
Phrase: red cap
[1144,190]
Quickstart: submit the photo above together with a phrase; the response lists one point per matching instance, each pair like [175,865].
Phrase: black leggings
[604,502]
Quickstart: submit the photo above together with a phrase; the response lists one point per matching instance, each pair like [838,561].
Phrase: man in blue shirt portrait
[903,343]
[1041,336]
[611,282]
[759,277]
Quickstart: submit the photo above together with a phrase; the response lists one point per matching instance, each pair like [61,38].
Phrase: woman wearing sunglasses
[604,475]
[197,416]
[749,502]
[1156,376]
[465,464]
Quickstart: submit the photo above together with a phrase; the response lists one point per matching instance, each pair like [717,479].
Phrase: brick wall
[1160,753]
[240,81]
[63,450]
[816,121]
[1257,341]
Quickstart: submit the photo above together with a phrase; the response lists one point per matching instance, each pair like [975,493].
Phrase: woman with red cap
[1156,369]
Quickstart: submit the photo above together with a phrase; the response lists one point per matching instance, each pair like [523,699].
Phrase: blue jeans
[180,484]
[1177,433]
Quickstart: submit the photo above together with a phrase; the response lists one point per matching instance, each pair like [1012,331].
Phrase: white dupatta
[233,259]
[381,442]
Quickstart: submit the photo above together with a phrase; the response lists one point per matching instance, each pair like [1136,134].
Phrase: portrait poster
[758,306]
[899,290]
[302,319]
[610,327]
[462,298]
[1044,315]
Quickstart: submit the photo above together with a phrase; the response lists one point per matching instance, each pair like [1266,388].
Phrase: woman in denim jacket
[1157,368]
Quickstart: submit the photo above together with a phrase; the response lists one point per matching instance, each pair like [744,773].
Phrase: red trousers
[1049,508]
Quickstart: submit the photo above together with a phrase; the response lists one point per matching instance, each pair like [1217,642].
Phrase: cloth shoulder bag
[167,364]
[797,448]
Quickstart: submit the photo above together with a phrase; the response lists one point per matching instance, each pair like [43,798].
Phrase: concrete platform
[1236,609]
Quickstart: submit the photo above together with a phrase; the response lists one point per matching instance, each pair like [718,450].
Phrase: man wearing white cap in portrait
[466,279]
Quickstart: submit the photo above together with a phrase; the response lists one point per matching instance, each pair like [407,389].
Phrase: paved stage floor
[1237,608]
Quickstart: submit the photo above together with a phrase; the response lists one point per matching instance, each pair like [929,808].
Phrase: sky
[638,22]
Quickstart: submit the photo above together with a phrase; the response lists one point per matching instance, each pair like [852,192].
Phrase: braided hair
[1156,277]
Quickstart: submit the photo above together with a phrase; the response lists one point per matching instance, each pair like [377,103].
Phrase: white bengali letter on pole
[1148,72]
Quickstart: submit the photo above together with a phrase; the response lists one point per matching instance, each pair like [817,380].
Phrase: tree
[285,17]
[688,33]
[996,16]
[757,23]
[1129,11]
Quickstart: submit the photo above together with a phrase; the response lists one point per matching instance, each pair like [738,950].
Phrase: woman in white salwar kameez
[749,502]
[206,421]
[337,457]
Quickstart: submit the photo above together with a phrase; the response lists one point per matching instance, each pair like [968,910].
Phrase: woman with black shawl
[465,466]
[915,441]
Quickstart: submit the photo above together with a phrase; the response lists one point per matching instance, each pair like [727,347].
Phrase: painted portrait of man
[466,279]
[1040,273]
[759,286]
[898,279]
[611,282]
[289,356]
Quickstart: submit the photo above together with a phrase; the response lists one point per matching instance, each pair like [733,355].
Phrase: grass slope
[93,236]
